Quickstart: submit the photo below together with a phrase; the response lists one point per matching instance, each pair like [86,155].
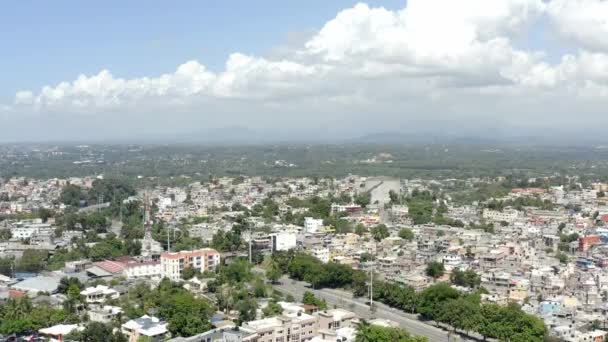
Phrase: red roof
[189,254]
[111,266]
[12,293]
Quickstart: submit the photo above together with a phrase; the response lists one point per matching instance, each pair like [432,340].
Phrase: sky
[302,70]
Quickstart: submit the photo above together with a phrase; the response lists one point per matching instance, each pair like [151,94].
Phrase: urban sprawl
[290,259]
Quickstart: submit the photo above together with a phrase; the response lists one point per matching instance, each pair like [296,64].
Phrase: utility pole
[250,238]
[168,242]
[371,285]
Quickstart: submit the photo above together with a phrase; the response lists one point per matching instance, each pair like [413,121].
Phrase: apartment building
[289,327]
[149,269]
[172,264]
[507,215]
[335,319]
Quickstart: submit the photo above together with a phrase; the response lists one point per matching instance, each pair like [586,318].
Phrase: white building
[146,327]
[507,215]
[99,294]
[28,230]
[172,264]
[150,269]
[312,225]
[104,314]
[283,241]
[451,262]
[293,327]
[321,253]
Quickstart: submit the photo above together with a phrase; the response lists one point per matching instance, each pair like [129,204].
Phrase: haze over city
[304,171]
[303,71]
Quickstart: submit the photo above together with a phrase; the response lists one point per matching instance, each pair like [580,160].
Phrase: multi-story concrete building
[335,319]
[289,327]
[507,215]
[312,225]
[150,269]
[282,241]
[172,264]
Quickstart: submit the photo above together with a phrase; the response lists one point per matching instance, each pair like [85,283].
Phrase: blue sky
[318,68]
[46,42]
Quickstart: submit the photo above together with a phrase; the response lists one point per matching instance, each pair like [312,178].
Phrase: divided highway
[358,305]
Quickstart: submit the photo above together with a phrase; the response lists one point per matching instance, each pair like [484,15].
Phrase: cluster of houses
[551,261]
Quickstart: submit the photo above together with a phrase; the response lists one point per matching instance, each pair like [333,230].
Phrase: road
[380,187]
[357,305]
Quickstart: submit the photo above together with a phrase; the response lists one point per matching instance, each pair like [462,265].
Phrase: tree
[432,299]
[406,234]
[72,195]
[562,257]
[466,278]
[310,299]
[380,232]
[394,197]
[435,269]
[273,272]
[18,316]
[363,199]
[189,273]
[238,271]
[460,314]
[247,308]
[365,257]
[374,333]
[360,229]
[510,323]
[99,332]
[32,260]
[272,309]
[5,234]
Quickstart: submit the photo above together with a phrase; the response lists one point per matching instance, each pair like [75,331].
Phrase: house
[104,314]
[60,330]
[98,294]
[38,284]
[146,327]
[106,268]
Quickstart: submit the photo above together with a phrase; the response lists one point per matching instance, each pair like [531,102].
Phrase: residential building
[335,319]
[283,241]
[289,327]
[148,269]
[230,334]
[312,225]
[104,314]
[149,328]
[98,294]
[172,264]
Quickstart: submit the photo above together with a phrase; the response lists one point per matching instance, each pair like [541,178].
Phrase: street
[357,305]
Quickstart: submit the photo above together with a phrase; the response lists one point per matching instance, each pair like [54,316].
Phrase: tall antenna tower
[146,244]
[147,220]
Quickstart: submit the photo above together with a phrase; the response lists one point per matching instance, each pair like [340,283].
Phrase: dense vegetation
[439,302]
[374,333]
[170,163]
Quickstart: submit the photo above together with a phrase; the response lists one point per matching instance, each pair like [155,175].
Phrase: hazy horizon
[317,72]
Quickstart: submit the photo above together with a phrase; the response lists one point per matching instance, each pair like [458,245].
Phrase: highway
[357,305]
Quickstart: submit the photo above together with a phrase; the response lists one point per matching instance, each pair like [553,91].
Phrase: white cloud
[585,22]
[432,53]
